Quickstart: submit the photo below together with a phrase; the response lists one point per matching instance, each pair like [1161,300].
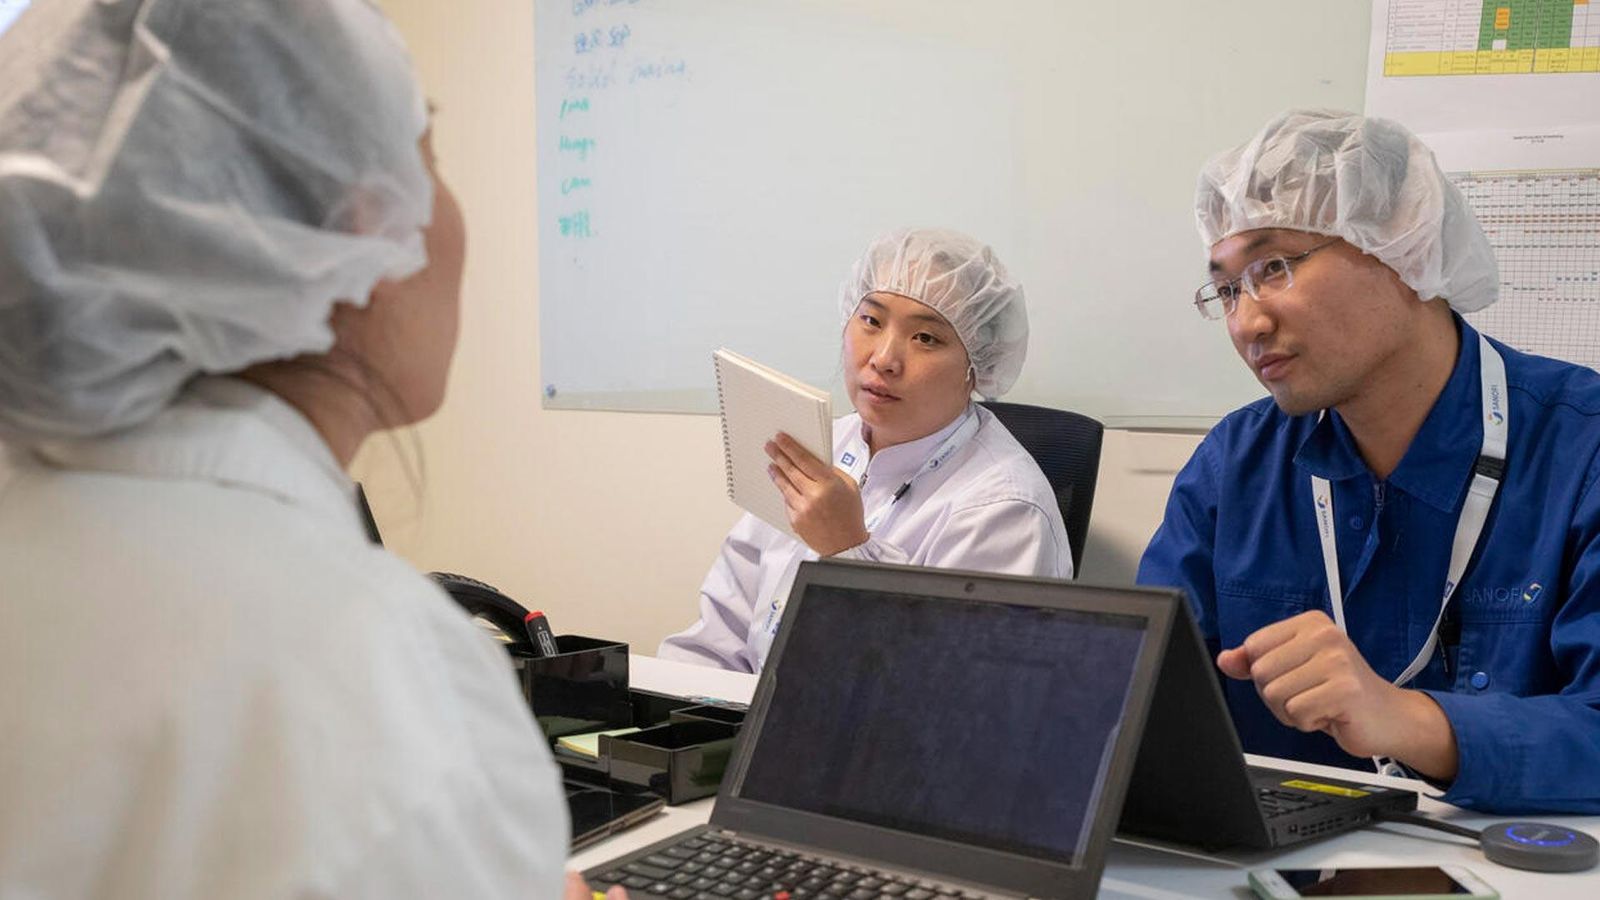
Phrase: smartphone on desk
[1376,883]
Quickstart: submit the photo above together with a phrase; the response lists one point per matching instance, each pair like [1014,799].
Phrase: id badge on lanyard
[1486,476]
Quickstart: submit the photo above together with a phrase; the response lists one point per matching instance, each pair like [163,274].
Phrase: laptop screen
[948,718]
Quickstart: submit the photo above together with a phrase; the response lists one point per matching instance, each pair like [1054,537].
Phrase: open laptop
[1191,783]
[923,733]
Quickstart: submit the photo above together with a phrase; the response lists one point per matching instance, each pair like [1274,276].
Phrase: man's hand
[1313,678]
[578,889]
[824,503]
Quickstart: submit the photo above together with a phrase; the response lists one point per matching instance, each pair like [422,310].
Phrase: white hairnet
[188,186]
[1368,181]
[959,278]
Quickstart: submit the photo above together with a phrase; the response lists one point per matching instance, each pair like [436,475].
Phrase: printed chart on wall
[1507,93]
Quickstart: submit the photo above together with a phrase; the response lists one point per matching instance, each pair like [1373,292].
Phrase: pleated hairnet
[1369,181]
[188,186]
[962,280]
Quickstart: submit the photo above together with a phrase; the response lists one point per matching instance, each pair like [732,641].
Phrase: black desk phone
[476,597]
[487,603]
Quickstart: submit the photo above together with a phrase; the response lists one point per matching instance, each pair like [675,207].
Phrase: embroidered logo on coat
[1505,597]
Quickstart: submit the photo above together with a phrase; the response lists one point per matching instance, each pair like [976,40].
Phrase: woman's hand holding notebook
[757,403]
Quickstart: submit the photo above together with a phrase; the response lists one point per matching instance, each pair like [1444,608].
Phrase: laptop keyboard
[1275,802]
[709,866]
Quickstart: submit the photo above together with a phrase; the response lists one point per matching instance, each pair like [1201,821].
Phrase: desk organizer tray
[680,761]
[708,713]
[652,708]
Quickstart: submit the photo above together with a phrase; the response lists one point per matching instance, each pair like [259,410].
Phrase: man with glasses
[1396,556]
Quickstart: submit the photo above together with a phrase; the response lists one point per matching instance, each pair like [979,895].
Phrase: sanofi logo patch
[1506,597]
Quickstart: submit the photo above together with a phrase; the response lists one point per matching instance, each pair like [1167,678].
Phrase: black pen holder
[680,761]
[582,688]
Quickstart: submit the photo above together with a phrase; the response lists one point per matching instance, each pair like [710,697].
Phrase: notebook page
[757,403]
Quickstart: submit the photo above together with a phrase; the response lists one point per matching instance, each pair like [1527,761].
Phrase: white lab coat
[213,685]
[988,508]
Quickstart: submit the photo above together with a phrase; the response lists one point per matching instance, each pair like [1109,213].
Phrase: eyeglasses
[1267,275]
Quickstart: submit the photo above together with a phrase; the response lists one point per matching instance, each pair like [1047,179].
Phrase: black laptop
[1191,784]
[920,733]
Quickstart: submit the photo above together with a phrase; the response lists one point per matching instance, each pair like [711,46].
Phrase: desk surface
[1155,873]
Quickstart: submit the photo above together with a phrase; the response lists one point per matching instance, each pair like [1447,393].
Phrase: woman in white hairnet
[225,260]
[921,475]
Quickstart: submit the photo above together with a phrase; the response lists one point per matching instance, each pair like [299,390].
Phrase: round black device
[1539,847]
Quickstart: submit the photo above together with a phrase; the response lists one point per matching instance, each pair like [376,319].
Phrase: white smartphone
[1404,883]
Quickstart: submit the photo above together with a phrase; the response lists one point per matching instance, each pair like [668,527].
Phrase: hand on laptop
[578,889]
[1313,678]
[824,503]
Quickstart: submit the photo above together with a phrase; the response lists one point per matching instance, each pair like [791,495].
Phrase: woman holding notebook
[920,474]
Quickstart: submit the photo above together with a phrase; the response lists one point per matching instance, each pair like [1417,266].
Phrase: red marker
[539,633]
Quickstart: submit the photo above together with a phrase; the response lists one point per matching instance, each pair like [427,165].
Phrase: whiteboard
[708,170]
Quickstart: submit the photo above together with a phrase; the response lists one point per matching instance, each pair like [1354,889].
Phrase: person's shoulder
[1555,412]
[1553,384]
[231,585]
[223,609]
[362,605]
[1001,469]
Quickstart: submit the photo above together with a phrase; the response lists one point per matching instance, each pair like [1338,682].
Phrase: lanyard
[1486,476]
[941,455]
[853,459]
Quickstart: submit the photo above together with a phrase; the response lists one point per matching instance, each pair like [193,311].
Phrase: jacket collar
[225,431]
[1435,467]
[900,462]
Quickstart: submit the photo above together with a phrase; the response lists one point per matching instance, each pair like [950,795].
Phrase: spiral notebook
[758,402]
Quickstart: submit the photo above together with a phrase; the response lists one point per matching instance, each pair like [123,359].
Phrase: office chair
[1066,445]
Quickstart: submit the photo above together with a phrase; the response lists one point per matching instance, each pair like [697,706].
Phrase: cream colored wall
[607,521]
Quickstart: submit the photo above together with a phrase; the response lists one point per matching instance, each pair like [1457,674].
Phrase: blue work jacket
[1521,682]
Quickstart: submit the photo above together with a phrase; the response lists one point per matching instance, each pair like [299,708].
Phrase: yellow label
[1502,18]
[1324,788]
[1412,63]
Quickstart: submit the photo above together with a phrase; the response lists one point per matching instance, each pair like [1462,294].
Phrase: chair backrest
[1066,445]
